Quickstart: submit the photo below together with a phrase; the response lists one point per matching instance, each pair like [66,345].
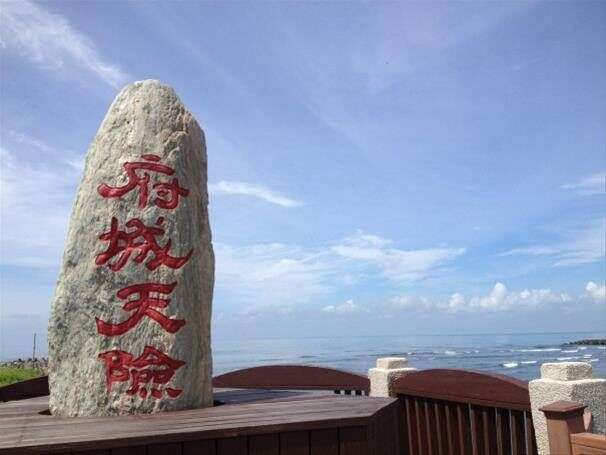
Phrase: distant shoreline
[587,342]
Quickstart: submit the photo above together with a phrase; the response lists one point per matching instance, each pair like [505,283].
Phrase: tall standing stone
[130,324]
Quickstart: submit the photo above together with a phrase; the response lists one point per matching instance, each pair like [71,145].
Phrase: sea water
[518,355]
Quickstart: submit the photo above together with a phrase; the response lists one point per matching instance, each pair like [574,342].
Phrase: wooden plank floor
[25,428]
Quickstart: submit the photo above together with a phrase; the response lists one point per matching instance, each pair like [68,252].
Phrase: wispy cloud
[592,184]
[395,264]
[530,251]
[596,292]
[272,274]
[276,274]
[247,189]
[49,40]
[347,307]
[35,200]
[584,245]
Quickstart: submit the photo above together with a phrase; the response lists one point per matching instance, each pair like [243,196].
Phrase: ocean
[517,355]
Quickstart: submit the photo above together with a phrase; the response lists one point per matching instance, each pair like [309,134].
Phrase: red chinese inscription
[167,193]
[152,369]
[140,240]
[143,305]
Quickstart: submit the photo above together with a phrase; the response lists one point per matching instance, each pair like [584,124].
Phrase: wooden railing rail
[280,377]
[567,426]
[31,388]
[299,377]
[458,412]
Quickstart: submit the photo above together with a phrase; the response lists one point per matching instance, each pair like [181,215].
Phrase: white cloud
[50,41]
[530,251]
[246,189]
[588,245]
[271,274]
[584,245]
[596,292]
[24,139]
[395,264]
[35,199]
[500,299]
[592,184]
[347,307]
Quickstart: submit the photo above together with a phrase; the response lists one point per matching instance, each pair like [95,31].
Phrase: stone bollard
[568,381]
[388,369]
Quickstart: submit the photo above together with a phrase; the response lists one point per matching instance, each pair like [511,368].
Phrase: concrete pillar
[567,381]
[388,369]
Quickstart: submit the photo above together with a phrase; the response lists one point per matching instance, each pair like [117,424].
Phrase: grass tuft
[12,375]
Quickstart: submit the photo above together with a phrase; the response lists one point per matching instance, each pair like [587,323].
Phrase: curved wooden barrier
[296,377]
[465,412]
[463,386]
[21,390]
[280,377]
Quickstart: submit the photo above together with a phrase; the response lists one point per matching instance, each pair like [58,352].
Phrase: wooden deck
[279,422]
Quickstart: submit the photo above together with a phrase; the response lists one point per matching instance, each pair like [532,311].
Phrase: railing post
[388,369]
[570,381]
[563,419]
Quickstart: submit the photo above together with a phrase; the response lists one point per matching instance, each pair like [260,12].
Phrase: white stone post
[388,369]
[569,381]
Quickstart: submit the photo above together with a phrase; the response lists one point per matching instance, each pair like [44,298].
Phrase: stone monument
[129,329]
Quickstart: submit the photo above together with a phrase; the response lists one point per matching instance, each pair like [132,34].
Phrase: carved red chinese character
[167,193]
[152,368]
[141,240]
[143,305]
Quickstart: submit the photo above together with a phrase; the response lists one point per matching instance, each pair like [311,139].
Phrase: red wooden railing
[21,390]
[294,377]
[278,377]
[456,412]
[567,427]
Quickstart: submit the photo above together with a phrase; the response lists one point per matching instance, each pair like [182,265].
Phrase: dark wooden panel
[386,431]
[264,444]
[463,429]
[93,452]
[518,436]
[353,441]
[138,450]
[531,441]
[173,448]
[44,433]
[21,390]
[410,441]
[294,443]
[421,428]
[204,447]
[324,442]
[232,446]
[293,377]
[483,389]
[503,437]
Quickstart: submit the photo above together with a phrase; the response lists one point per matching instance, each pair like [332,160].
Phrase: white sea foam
[572,351]
[586,356]
[594,360]
[450,352]
[539,350]
[528,362]
[572,357]
[510,364]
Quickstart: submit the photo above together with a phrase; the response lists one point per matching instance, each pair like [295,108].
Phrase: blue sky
[374,168]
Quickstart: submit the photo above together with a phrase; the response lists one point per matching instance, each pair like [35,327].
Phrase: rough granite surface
[145,118]
[384,375]
[584,390]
